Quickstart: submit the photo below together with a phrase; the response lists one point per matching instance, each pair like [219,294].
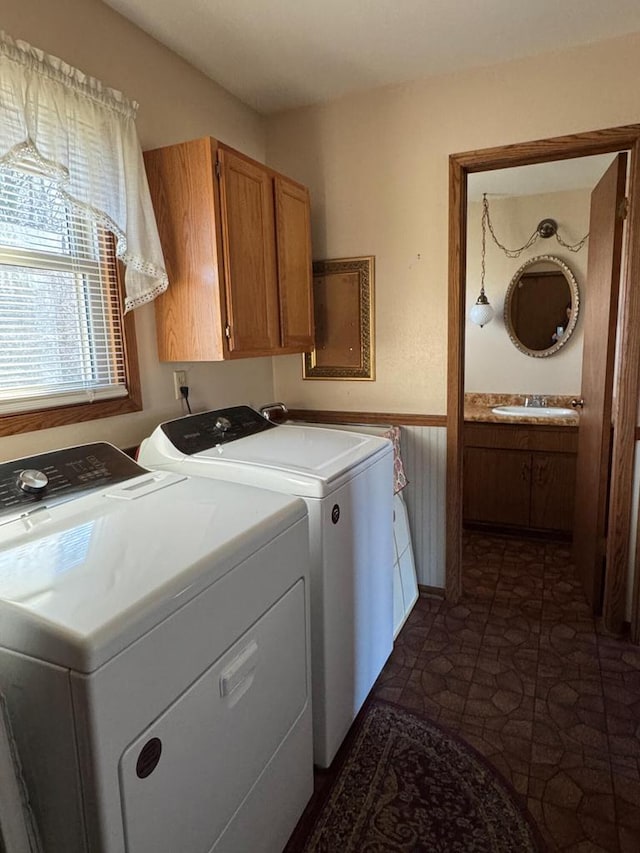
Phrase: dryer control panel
[60,474]
[195,433]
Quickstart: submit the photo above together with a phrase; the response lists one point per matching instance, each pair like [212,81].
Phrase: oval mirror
[541,306]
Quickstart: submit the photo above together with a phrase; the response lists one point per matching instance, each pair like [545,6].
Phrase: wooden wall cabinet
[520,476]
[237,245]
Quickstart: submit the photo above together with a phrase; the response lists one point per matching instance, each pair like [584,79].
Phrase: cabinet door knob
[577,403]
[539,472]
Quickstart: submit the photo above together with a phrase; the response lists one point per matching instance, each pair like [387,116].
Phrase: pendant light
[482,312]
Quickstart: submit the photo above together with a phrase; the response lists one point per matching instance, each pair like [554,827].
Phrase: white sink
[534,411]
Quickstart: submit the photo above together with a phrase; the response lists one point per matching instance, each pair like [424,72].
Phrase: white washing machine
[405,581]
[154,655]
[346,480]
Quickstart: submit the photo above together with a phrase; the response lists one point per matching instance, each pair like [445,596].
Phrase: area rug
[405,785]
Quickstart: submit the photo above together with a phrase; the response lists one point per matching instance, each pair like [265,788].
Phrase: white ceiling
[577,174]
[287,53]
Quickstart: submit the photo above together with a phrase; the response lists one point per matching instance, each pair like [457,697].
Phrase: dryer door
[185,778]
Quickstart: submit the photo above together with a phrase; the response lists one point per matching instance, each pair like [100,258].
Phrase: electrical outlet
[179,379]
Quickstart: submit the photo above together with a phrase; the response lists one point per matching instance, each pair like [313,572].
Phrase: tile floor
[519,670]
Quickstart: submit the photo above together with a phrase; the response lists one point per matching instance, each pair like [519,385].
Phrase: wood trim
[540,151]
[625,420]
[455,377]
[431,591]
[516,531]
[64,415]
[391,418]
[543,150]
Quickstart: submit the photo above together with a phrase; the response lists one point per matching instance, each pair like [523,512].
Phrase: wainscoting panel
[424,452]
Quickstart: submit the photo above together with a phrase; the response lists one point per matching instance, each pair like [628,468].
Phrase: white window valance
[70,129]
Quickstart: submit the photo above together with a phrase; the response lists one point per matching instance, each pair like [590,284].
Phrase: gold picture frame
[343,301]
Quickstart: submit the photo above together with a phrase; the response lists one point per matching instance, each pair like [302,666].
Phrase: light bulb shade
[481,313]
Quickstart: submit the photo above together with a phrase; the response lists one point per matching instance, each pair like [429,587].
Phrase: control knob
[223,424]
[32,482]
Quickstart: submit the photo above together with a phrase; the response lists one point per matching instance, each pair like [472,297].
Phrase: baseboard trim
[518,532]
[431,591]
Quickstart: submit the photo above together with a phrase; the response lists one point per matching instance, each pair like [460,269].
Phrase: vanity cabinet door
[497,486]
[553,478]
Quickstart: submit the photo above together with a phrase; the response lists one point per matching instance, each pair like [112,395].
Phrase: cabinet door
[496,486]
[190,314]
[293,233]
[553,478]
[248,238]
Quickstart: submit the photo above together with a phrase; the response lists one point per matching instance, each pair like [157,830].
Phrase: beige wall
[377,167]
[176,103]
[492,363]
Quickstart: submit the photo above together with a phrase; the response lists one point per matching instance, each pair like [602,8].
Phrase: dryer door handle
[239,670]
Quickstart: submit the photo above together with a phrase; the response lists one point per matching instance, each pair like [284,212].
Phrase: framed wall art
[343,302]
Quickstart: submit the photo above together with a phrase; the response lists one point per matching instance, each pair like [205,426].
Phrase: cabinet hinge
[227,330]
[623,210]
[218,169]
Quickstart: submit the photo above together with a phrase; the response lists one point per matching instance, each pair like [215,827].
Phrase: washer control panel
[195,433]
[59,474]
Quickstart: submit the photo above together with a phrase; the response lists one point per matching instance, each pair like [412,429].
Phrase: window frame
[55,416]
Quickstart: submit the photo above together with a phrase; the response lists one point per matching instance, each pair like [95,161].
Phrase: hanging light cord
[515,253]
[485,219]
[576,246]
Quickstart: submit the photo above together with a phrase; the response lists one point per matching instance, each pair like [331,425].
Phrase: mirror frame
[363,268]
[575,307]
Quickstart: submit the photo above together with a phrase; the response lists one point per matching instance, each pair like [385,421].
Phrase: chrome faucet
[535,400]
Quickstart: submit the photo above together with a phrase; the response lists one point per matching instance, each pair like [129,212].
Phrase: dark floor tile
[520,670]
[503,673]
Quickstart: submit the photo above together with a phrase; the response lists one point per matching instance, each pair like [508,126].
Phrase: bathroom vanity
[519,474]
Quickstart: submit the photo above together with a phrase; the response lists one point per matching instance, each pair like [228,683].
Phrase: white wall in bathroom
[492,362]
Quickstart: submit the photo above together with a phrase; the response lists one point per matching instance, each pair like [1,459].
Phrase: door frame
[610,140]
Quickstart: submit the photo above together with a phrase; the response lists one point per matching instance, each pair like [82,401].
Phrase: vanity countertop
[477,408]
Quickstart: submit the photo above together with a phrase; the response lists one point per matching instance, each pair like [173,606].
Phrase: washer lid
[311,460]
[82,580]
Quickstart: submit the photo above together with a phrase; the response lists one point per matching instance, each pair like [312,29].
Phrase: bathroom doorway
[619,496]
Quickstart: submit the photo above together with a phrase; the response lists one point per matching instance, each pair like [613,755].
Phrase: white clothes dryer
[346,480]
[154,655]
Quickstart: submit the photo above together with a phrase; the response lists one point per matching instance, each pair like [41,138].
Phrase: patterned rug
[407,786]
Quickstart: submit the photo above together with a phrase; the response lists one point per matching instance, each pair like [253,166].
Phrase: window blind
[61,336]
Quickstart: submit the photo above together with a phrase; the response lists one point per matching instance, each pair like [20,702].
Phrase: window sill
[64,415]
